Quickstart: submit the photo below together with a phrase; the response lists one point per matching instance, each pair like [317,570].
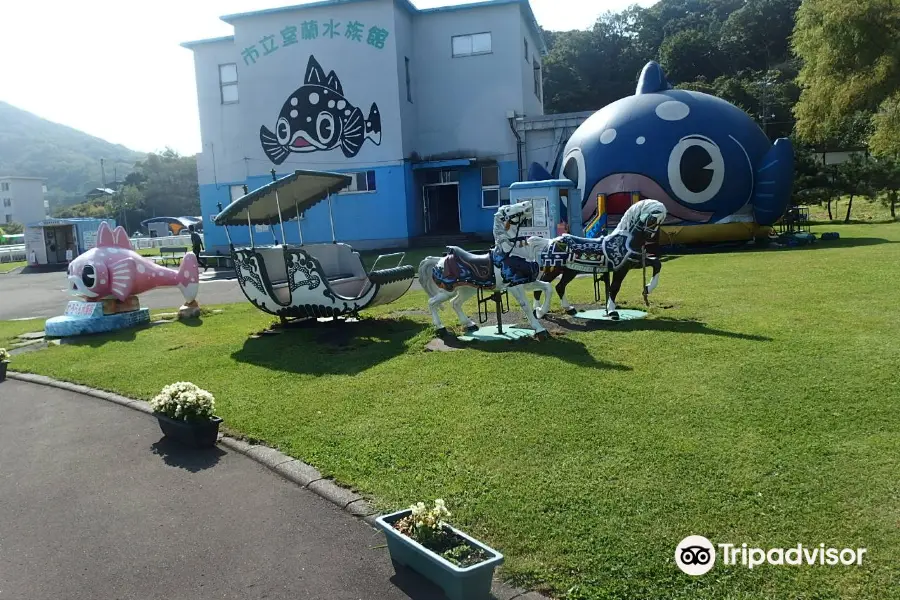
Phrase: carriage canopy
[293,194]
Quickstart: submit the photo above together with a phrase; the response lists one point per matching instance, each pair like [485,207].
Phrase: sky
[114,68]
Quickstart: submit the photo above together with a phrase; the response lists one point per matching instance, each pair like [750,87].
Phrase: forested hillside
[69,159]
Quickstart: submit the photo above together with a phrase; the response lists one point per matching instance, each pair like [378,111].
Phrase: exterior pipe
[519,144]
[331,218]
[299,228]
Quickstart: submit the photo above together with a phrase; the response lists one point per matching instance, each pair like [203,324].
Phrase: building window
[490,187]
[4,186]
[228,83]
[7,202]
[408,84]
[362,181]
[537,79]
[8,219]
[526,49]
[474,43]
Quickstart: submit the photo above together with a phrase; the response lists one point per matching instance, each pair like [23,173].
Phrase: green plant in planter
[427,527]
[184,401]
[186,414]
[4,360]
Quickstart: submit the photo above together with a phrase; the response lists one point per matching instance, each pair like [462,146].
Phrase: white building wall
[25,195]
[222,157]
[463,101]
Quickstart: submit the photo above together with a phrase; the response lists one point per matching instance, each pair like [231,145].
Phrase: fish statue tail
[189,277]
[773,180]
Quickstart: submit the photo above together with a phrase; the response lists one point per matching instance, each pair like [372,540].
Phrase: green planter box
[197,434]
[470,583]
[3,364]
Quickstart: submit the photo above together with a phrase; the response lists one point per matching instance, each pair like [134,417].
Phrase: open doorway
[57,240]
[441,208]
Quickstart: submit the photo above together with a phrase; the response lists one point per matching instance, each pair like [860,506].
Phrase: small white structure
[47,242]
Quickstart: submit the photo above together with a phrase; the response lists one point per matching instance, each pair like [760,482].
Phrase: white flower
[184,400]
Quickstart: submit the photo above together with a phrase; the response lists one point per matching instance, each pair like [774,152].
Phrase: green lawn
[864,210]
[6,267]
[757,405]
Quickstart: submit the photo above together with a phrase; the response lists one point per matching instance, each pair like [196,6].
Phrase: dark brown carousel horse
[633,244]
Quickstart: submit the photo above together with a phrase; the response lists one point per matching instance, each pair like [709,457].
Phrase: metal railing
[157,242]
[12,253]
[17,252]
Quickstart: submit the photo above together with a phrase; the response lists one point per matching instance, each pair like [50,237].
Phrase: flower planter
[3,364]
[198,434]
[458,583]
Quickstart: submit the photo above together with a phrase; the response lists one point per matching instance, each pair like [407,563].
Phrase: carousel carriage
[305,281]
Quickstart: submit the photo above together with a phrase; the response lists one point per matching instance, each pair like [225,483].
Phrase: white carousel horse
[616,253]
[512,264]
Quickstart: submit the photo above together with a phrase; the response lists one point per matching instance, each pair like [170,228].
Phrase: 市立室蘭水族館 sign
[353,32]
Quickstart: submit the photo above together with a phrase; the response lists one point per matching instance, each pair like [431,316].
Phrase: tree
[812,181]
[885,173]
[850,59]
[758,33]
[855,178]
[689,55]
[13,228]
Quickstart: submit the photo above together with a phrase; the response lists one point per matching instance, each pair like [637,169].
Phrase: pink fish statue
[113,270]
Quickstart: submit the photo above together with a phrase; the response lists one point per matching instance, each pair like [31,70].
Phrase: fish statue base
[189,310]
[85,318]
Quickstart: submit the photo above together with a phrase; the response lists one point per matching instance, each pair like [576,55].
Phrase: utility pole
[102,174]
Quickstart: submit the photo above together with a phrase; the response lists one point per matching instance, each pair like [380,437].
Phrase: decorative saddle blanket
[586,254]
[461,267]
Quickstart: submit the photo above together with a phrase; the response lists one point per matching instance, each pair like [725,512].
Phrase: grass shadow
[182,457]
[819,244]
[652,324]
[568,350]
[332,348]
[97,340]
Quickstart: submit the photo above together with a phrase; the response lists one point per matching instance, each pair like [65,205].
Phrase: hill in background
[69,159]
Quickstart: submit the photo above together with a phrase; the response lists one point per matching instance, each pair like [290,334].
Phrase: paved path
[94,504]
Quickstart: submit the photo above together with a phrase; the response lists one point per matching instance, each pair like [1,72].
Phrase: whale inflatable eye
[283,131]
[573,168]
[88,276]
[696,169]
[325,127]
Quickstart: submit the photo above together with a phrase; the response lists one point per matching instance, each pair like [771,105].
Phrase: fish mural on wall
[318,118]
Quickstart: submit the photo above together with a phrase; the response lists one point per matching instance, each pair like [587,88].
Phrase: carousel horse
[512,264]
[632,244]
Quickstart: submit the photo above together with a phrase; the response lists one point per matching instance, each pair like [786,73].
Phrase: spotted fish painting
[318,118]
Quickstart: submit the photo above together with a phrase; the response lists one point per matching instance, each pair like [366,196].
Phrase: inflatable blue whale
[705,159]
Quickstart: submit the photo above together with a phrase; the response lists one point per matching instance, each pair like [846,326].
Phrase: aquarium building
[434,113]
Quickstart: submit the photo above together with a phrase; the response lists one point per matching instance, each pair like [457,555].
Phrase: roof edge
[195,43]
[280,9]
[524,5]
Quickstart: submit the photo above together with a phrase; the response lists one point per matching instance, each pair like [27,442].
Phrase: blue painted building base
[84,318]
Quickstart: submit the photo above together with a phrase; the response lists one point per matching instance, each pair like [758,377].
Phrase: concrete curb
[295,471]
